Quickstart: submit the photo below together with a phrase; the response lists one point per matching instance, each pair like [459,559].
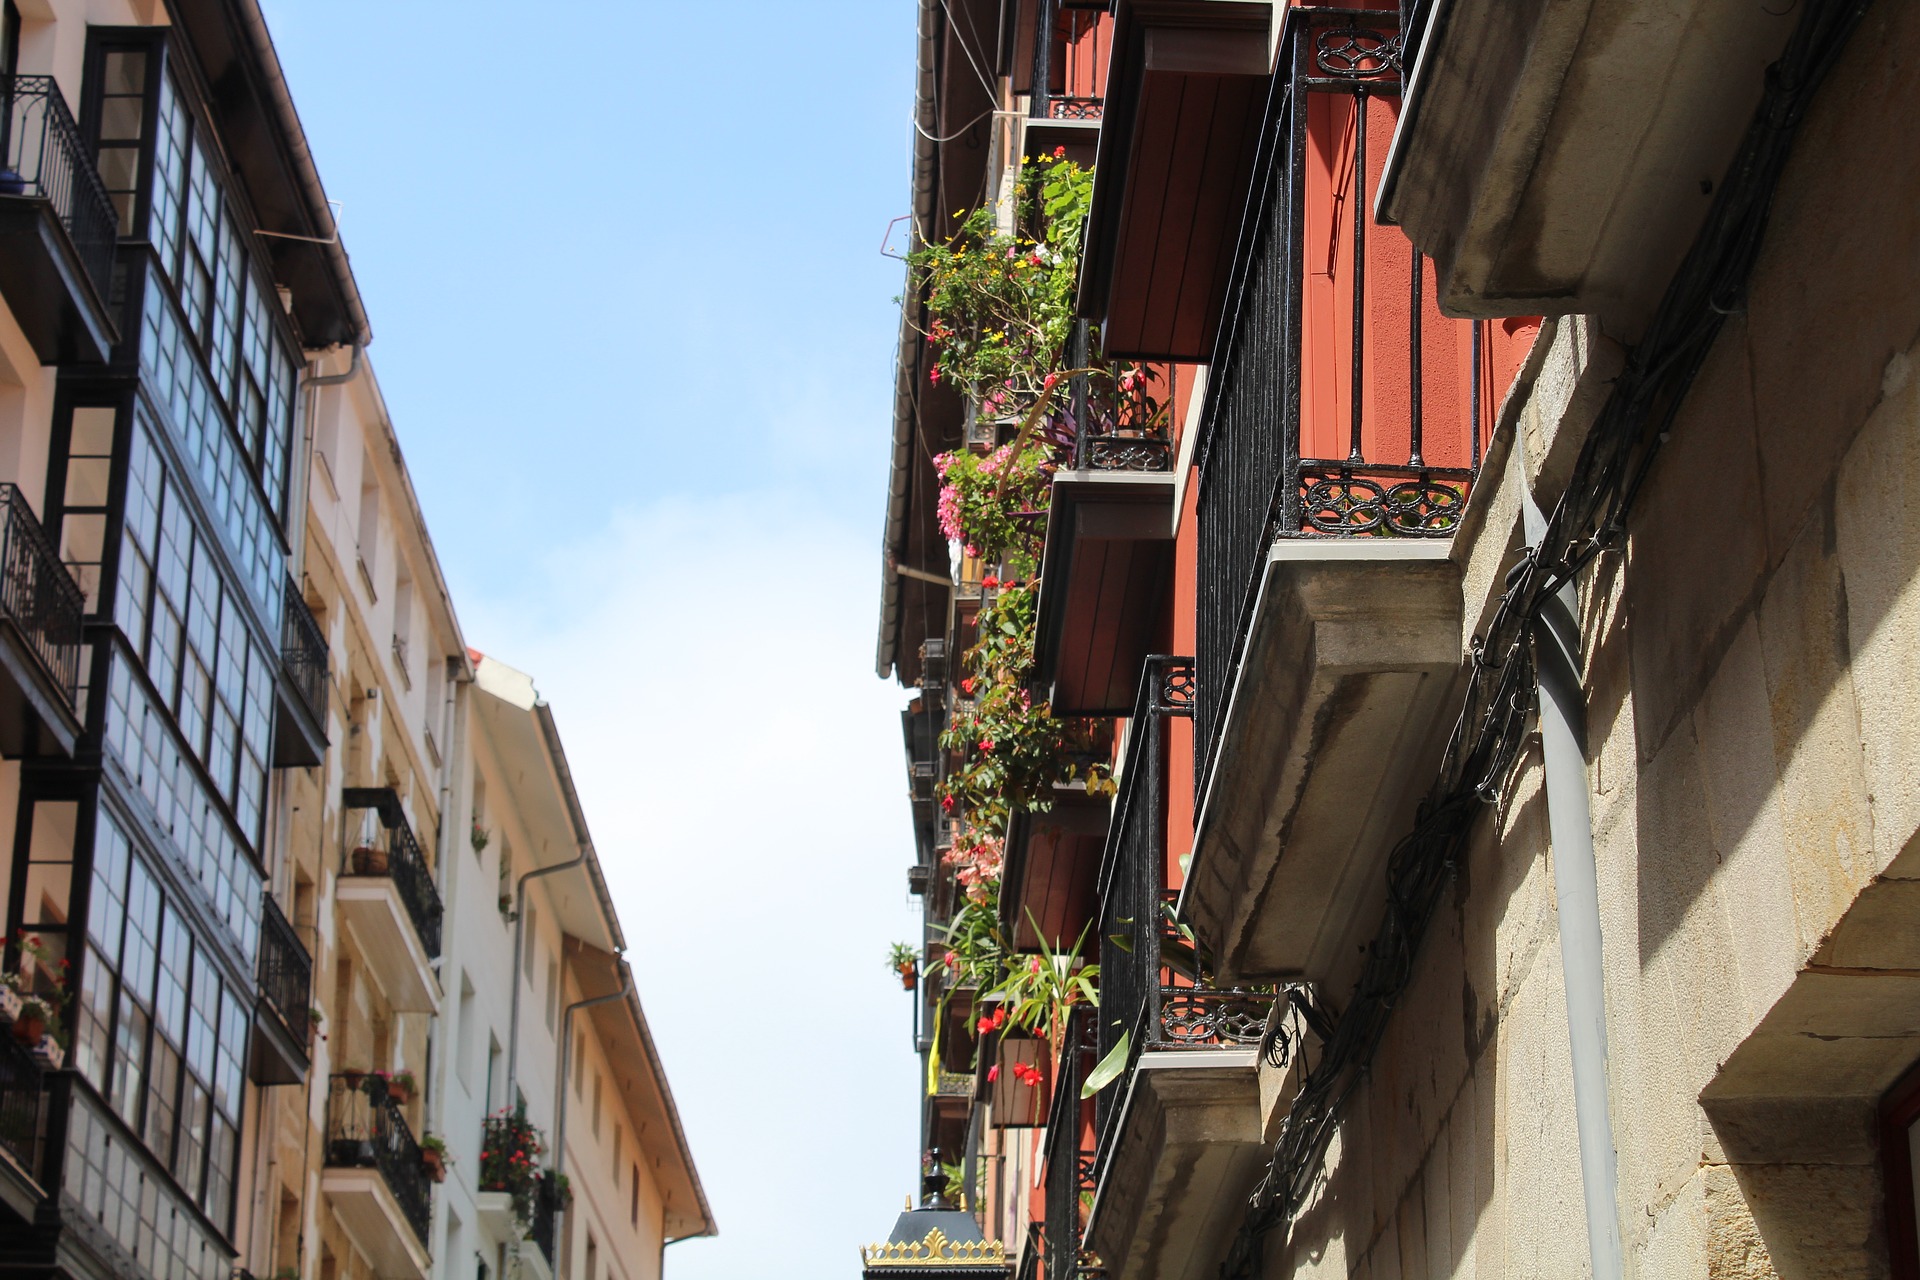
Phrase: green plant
[902,956]
[988,502]
[430,1141]
[479,837]
[1039,994]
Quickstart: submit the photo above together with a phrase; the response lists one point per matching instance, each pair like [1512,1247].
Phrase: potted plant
[480,837]
[30,1027]
[433,1156]
[353,1078]
[401,1087]
[903,960]
[369,860]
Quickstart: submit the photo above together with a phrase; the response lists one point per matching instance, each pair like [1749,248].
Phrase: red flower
[966,686]
[946,804]
[1046,384]
[986,745]
[1035,259]
[951,960]
[1059,153]
[999,1016]
[933,374]
[993,1073]
[990,581]
[985,1025]
[1033,965]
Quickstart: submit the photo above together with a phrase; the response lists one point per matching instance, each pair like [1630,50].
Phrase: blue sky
[636,336]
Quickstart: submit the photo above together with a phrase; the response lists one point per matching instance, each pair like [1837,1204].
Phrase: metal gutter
[926,181]
[252,23]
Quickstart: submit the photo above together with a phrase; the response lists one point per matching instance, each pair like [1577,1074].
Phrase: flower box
[49,1054]
[9,1006]
[369,860]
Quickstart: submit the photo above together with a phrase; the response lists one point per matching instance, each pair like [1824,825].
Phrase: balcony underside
[373,910]
[1053,864]
[1186,92]
[47,288]
[1188,1149]
[1108,563]
[299,739]
[1560,157]
[20,1194]
[36,717]
[274,1056]
[1330,734]
[368,1211]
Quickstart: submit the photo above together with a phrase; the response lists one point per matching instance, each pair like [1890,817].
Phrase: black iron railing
[1112,428]
[366,1130]
[1148,996]
[1390,441]
[1068,1161]
[303,651]
[38,594]
[22,1103]
[45,160]
[546,1216]
[1030,1252]
[1071,48]
[286,971]
[394,853]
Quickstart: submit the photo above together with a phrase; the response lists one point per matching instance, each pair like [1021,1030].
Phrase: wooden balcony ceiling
[1185,97]
[1109,563]
[1054,864]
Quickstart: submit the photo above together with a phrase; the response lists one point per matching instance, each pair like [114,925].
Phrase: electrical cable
[1588,520]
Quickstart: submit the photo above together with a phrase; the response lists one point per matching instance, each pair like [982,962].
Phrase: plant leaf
[1110,1067]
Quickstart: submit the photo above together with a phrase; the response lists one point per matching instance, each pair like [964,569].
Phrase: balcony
[40,610]
[1180,1140]
[1052,866]
[1344,423]
[282,1019]
[1179,133]
[300,724]
[22,1117]
[1071,44]
[1108,560]
[387,896]
[547,1211]
[1558,157]
[57,228]
[374,1179]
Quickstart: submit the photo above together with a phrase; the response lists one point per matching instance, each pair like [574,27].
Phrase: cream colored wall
[629,1243]
[1751,680]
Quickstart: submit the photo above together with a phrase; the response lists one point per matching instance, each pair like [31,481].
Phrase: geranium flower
[1059,153]
[990,581]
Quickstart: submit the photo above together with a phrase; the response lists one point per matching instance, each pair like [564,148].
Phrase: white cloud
[709,665]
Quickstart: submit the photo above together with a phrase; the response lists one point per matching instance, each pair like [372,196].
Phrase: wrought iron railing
[1359,412]
[286,971]
[1146,997]
[22,1103]
[1111,427]
[1071,47]
[366,1130]
[303,651]
[403,863]
[1067,1161]
[38,594]
[45,159]
[546,1216]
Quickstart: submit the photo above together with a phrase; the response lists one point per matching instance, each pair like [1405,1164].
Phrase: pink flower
[946,804]
[1046,384]
[1059,153]
[986,745]
[1033,965]
[933,375]
[993,1073]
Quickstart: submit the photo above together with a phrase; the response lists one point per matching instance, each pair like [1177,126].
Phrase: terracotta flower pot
[908,976]
[434,1164]
[400,1092]
[369,860]
[29,1027]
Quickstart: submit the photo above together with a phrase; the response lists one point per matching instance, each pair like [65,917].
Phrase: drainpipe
[519,958]
[453,709]
[566,1063]
[1563,735]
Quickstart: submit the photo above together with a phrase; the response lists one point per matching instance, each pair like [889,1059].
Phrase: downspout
[1563,737]
[452,723]
[519,958]
[566,1063]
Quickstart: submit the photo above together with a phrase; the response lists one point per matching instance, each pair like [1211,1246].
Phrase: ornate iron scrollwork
[1198,1016]
[1176,686]
[1128,453]
[1350,504]
[1356,53]
[1075,108]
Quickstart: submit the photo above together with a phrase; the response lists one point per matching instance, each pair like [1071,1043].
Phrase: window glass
[122,125]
